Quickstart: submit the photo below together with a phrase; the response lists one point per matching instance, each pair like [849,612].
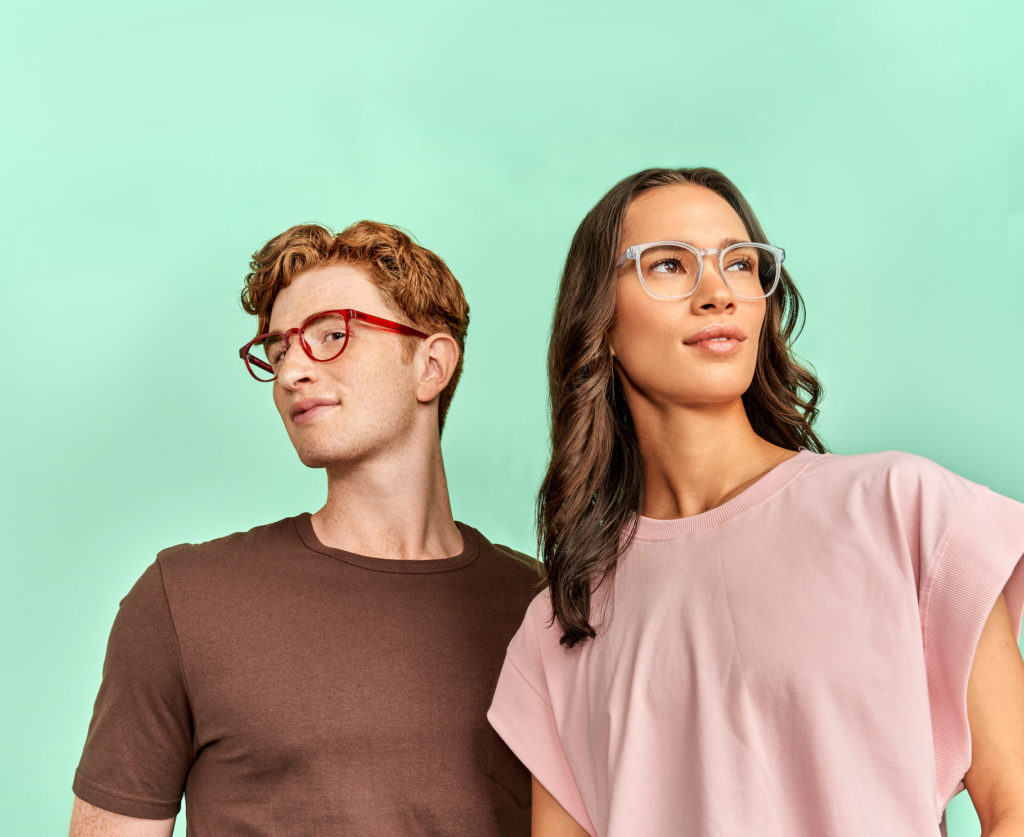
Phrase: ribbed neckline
[651,529]
[470,551]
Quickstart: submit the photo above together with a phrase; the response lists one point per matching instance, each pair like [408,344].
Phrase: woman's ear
[439,355]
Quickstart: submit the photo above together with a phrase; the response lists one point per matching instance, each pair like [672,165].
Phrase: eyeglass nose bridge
[306,348]
[702,252]
[286,336]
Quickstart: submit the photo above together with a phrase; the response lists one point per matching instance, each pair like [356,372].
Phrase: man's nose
[296,366]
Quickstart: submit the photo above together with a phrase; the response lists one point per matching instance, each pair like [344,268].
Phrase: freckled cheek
[370,397]
[379,390]
[278,396]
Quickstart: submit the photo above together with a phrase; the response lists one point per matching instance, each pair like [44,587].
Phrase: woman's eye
[667,266]
[742,264]
[334,335]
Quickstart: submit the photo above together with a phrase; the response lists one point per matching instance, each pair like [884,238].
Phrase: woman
[742,634]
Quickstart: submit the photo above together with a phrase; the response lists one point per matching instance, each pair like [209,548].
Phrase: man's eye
[275,352]
[333,336]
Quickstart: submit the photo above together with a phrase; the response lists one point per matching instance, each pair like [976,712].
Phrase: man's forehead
[321,289]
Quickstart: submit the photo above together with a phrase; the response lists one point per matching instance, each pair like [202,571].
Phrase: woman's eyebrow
[725,242]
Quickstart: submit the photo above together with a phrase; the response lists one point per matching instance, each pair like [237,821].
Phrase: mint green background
[148,152]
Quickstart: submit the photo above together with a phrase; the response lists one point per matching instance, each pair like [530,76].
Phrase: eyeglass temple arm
[389,325]
[250,358]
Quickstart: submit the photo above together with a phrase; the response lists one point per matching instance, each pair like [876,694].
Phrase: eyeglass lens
[326,337]
[668,270]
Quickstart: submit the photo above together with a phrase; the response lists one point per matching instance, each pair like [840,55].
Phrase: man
[327,674]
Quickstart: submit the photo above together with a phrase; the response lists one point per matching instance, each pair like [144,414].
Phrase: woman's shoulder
[540,615]
[897,471]
[537,644]
[912,495]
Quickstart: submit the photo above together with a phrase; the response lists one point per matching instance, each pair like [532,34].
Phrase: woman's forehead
[681,212]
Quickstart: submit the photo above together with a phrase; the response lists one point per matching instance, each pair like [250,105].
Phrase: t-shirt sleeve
[522,714]
[965,565]
[139,747]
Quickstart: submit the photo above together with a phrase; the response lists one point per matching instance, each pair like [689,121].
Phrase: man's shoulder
[265,540]
[507,559]
[520,560]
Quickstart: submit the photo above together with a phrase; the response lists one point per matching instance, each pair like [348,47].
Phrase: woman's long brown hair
[593,491]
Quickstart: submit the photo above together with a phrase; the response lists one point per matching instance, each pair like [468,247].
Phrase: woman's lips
[718,339]
[718,345]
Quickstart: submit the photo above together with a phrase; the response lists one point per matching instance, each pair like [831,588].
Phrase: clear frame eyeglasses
[673,269]
[323,337]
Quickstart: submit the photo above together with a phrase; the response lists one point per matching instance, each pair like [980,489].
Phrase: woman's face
[657,343]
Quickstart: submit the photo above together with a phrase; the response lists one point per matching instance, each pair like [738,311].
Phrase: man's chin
[315,458]
[328,459]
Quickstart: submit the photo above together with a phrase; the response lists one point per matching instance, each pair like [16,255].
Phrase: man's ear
[438,356]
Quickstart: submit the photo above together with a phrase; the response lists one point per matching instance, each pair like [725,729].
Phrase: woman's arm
[549,818]
[995,712]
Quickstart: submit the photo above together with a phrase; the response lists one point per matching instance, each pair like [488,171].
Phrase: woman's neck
[697,458]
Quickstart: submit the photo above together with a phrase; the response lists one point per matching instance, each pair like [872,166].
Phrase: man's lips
[306,409]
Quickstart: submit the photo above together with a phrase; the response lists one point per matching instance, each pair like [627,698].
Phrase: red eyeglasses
[323,337]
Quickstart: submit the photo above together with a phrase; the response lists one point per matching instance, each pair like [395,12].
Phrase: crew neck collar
[652,529]
[470,551]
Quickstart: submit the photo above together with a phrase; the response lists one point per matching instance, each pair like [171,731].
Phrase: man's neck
[391,506]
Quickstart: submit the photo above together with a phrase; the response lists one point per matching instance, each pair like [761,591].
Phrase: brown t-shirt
[290,688]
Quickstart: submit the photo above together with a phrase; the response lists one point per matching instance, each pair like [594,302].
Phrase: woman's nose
[712,290]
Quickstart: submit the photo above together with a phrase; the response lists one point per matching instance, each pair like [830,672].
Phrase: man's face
[362,403]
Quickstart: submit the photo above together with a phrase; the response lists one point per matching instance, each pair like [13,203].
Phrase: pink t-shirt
[793,662]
